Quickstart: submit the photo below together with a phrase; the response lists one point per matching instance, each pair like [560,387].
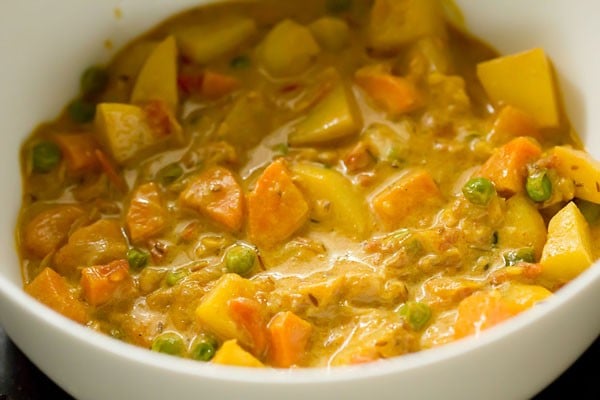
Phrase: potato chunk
[231,353]
[582,169]
[523,226]
[158,78]
[395,23]
[214,312]
[346,208]
[334,117]
[208,41]
[524,80]
[288,49]
[568,251]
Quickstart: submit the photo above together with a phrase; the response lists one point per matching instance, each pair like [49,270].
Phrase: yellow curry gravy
[302,184]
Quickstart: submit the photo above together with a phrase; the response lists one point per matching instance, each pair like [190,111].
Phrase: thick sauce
[312,183]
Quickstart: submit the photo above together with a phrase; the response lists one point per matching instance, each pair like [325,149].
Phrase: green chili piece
[513,257]
[169,343]
[240,258]
[539,186]
[45,156]
[479,191]
[169,173]
[417,314]
[203,348]
[81,111]
[137,258]
[93,80]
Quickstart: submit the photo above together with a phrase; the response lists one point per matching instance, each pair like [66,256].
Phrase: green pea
[539,186]
[240,62]
[240,258]
[203,348]
[93,80]
[45,156]
[169,343]
[174,277]
[590,211]
[514,257]
[338,6]
[479,191]
[137,258]
[169,173]
[81,111]
[417,314]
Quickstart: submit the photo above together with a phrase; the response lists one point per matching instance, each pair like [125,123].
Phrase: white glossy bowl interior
[44,47]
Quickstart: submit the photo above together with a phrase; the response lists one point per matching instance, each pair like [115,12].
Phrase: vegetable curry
[307,184]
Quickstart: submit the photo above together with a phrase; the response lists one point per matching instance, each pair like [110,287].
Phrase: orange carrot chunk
[413,192]
[512,122]
[249,315]
[507,166]
[101,283]
[216,193]
[79,152]
[53,290]
[216,85]
[147,215]
[395,94]
[276,207]
[289,338]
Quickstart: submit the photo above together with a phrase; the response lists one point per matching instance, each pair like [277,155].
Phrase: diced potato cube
[330,32]
[395,23]
[523,226]
[568,251]
[581,168]
[524,80]
[231,353]
[347,209]
[158,78]
[206,42]
[213,311]
[334,117]
[248,121]
[128,130]
[288,49]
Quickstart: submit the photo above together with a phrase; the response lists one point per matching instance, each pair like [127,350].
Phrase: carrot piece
[411,193]
[147,216]
[49,229]
[100,283]
[216,85]
[111,172]
[480,311]
[79,152]
[512,122]
[249,315]
[216,193]
[395,94]
[507,166]
[53,290]
[276,207]
[289,338]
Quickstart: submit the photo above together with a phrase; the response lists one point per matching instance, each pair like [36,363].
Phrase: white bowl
[45,45]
